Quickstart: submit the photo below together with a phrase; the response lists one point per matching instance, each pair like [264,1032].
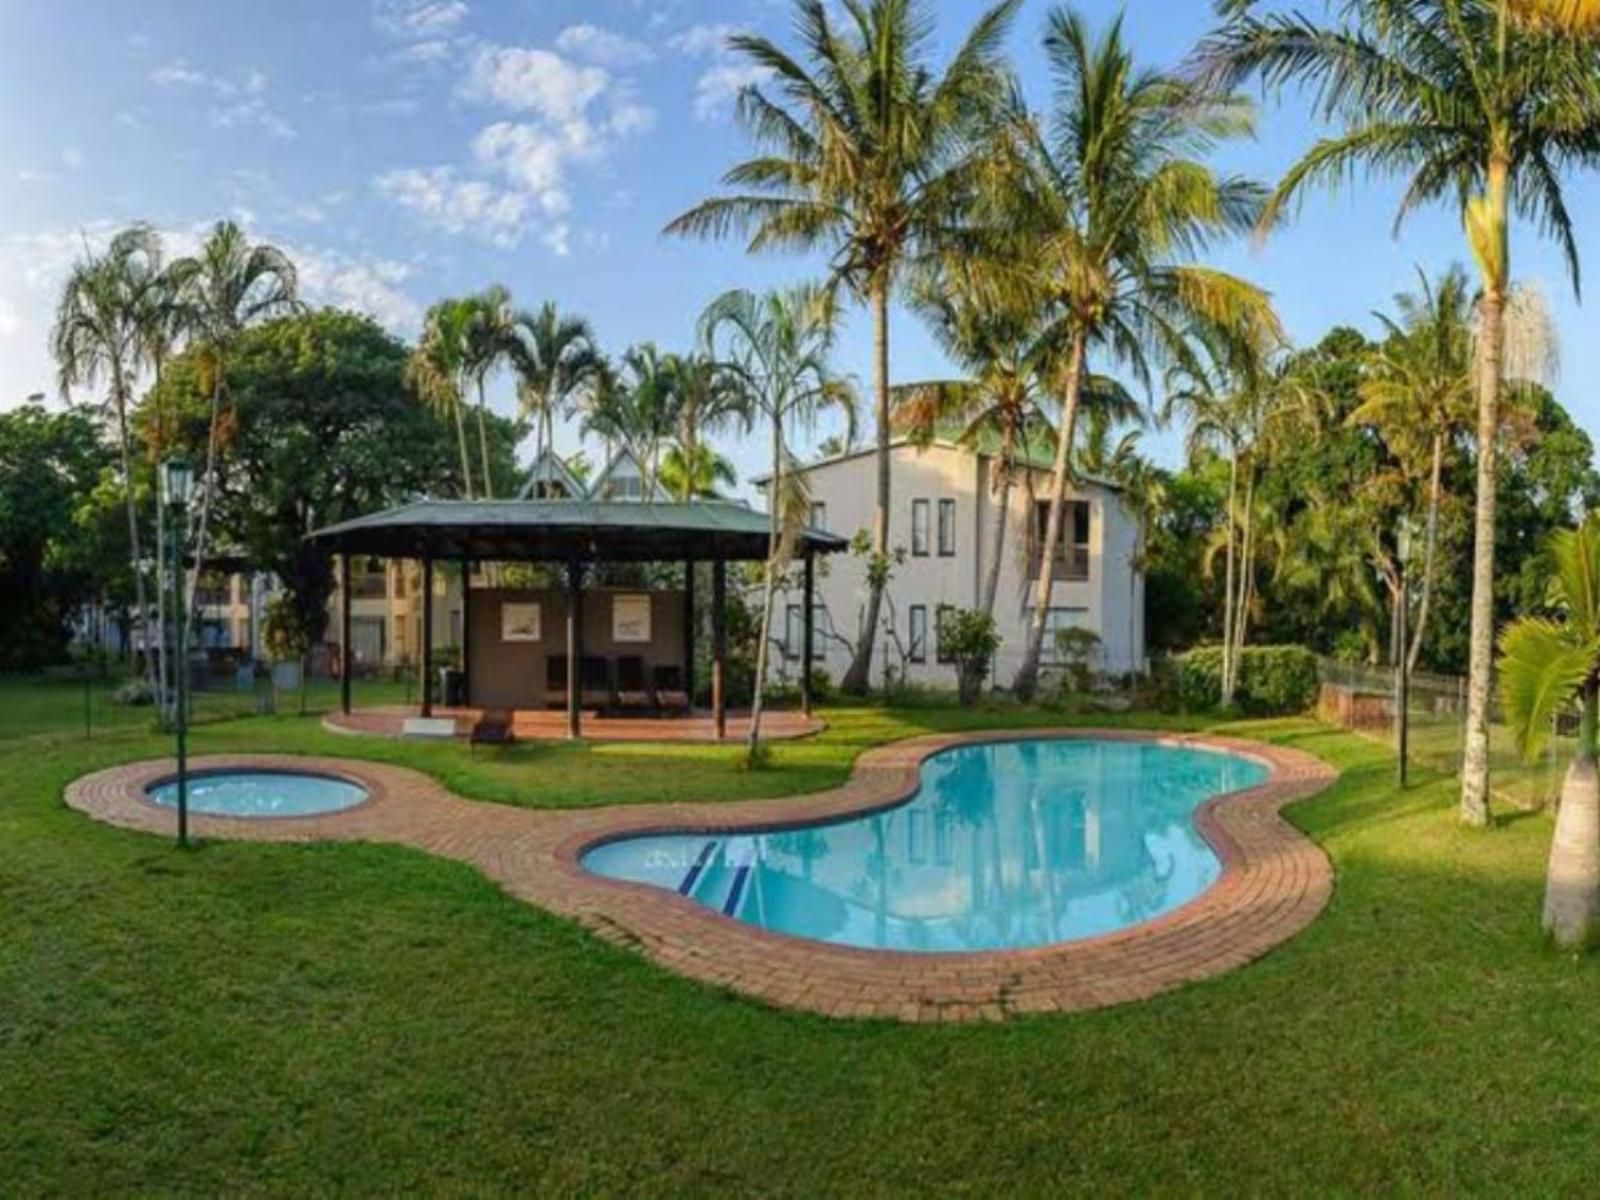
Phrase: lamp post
[177,478]
[1402,674]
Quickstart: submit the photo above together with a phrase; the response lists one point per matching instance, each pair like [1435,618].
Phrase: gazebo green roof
[565,530]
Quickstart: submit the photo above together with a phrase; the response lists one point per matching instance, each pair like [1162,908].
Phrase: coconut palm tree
[868,154]
[779,343]
[708,398]
[696,476]
[95,340]
[655,402]
[492,326]
[554,357]
[1470,106]
[231,284]
[1544,664]
[437,371]
[1113,202]
[1417,393]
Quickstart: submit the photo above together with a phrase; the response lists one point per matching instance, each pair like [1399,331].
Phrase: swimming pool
[1004,845]
[261,793]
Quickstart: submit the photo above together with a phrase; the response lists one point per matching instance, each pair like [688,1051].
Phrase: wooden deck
[551,724]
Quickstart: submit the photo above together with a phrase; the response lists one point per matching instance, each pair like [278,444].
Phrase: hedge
[1273,680]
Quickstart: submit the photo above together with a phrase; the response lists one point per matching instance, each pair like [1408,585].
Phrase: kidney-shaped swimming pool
[1004,845]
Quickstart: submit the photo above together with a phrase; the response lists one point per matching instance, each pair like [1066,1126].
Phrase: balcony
[1072,565]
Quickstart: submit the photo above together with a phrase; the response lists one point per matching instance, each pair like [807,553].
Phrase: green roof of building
[563,530]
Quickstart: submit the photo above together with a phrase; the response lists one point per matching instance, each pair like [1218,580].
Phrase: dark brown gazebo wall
[574,534]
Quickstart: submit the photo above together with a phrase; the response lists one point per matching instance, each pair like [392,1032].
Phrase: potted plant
[1544,663]
[968,636]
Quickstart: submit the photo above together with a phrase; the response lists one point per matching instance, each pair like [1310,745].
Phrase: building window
[919,528]
[938,632]
[819,515]
[917,651]
[793,632]
[1055,620]
[947,528]
[1072,548]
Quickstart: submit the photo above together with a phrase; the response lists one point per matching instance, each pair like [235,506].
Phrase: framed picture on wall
[520,622]
[630,618]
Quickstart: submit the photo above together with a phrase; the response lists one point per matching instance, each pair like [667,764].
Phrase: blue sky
[409,149]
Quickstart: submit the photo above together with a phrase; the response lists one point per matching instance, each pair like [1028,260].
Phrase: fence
[1361,698]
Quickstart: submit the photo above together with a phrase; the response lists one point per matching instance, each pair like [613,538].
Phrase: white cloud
[370,286]
[10,322]
[419,18]
[534,159]
[251,112]
[699,41]
[240,100]
[719,86]
[128,120]
[431,51]
[178,73]
[530,79]
[72,158]
[558,240]
[455,204]
[602,47]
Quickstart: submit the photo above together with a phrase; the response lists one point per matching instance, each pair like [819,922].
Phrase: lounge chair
[555,680]
[670,690]
[493,728]
[632,690]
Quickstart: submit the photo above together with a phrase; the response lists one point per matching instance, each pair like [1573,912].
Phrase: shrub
[1273,680]
[969,637]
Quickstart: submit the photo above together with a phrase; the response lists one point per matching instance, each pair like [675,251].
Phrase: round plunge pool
[261,793]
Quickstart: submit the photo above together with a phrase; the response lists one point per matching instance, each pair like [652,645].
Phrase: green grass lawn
[351,1018]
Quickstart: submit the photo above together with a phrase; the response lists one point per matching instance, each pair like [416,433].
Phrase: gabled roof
[625,457]
[1036,454]
[550,467]
[565,530]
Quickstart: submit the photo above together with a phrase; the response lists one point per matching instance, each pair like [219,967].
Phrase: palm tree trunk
[1246,588]
[752,746]
[1475,757]
[1572,878]
[991,583]
[1228,578]
[119,394]
[461,444]
[1027,680]
[1430,551]
[857,677]
[162,676]
[192,584]
[483,447]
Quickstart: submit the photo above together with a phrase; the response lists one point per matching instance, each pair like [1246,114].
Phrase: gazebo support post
[466,632]
[427,635]
[344,633]
[719,647]
[805,638]
[688,630]
[574,648]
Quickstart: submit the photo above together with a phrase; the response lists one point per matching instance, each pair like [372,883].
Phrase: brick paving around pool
[1274,880]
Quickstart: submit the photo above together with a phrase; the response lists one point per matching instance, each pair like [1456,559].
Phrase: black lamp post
[177,478]
[1402,673]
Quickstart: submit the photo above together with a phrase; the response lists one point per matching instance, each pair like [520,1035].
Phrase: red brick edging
[1274,880]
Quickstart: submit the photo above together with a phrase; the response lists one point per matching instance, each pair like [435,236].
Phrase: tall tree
[710,398]
[492,326]
[554,358]
[438,369]
[780,344]
[1470,106]
[232,285]
[1114,201]
[95,339]
[869,155]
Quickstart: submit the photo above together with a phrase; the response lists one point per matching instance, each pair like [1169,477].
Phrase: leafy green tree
[1470,106]
[438,370]
[1113,202]
[554,358]
[698,477]
[870,156]
[1544,664]
[50,462]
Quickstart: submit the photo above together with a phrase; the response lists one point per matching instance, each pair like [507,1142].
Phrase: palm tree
[1544,663]
[696,475]
[779,343]
[1470,106]
[1141,487]
[95,338]
[708,398]
[1113,197]
[1417,392]
[654,408]
[554,358]
[869,155]
[232,284]
[492,325]
[438,368]
[996,408]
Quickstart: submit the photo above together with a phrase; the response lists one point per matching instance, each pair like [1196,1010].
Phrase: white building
[942,530]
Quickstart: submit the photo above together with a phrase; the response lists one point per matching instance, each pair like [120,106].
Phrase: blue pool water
[262,794]
[1004,845]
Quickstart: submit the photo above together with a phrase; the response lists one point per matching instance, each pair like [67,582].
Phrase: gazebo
[573,534]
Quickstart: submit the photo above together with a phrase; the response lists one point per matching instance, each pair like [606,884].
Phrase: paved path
[1274,882]
[545,725]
